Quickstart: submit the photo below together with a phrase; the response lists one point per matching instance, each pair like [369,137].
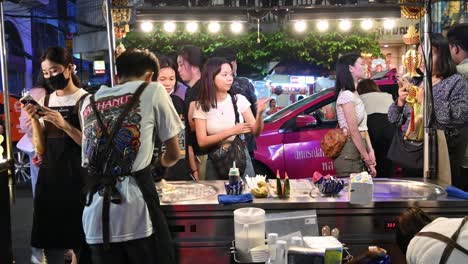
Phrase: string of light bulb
[300,26]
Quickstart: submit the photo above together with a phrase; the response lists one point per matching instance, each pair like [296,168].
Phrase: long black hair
[63,57]
[344,78]
[409,223]
[445,65]
[207,97]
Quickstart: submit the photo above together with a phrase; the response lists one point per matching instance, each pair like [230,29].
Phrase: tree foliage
[318,49]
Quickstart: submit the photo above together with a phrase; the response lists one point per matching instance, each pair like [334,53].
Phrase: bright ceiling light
[236,27]
[367,24]
[191,27]
[300,26]
[345,25]
[169,27]
[322,25]
[214,27]
[389,24]
[146,26]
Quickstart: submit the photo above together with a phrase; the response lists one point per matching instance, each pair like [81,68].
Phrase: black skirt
[58,204]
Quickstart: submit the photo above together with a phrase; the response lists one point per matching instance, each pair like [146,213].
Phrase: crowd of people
[95,157]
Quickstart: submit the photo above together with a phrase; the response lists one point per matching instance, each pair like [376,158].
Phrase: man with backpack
[122,220]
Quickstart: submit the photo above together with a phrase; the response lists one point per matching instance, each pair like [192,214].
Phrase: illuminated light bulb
[367,24]
[345,25]
[146,26]
[300,26]
[191,27]
[322,25]
[170,27]
[236,27]
[214,27]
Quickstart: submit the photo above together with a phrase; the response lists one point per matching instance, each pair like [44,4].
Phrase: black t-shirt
[191,95]
[178,103]
[242,85]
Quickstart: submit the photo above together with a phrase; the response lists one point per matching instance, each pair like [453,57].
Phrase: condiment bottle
[234,174]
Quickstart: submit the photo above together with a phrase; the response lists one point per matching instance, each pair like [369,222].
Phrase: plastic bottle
[234,174]
[281,252]
[271,241]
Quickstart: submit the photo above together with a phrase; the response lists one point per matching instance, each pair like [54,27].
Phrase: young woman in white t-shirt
[214,115]
[357,153]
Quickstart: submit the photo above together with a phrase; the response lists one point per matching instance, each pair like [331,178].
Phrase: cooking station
[203,229]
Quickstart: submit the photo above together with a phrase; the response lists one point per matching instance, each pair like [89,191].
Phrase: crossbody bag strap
[110,191]
[448,250]
[234,104]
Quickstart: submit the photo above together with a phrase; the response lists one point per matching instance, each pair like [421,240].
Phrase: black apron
[58,203]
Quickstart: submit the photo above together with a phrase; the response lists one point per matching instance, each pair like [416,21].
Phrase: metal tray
[188,191]
[406,189]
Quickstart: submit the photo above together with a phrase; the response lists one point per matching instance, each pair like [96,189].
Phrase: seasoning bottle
[234,174]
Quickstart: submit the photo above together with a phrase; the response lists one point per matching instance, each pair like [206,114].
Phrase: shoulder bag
[408,154]
[333,142]
[224,156]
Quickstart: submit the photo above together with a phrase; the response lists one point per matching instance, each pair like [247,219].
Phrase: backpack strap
[111,194]
[451,243]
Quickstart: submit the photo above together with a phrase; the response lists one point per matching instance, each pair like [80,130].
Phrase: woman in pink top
[357,154]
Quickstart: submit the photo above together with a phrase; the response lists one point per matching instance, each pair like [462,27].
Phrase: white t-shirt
[129,220]
[222,117]
[428,250]
[345,97]
[67,100]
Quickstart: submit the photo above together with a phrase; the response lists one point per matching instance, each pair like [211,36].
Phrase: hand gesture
[54,117]
[262,104]
[242,128]
[37,160]
[30,110]
[372,170]
[402,92]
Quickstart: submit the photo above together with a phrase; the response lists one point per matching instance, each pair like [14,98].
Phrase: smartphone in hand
[28,99]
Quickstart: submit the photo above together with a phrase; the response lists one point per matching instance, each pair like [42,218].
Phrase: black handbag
[408,154]
[223,156]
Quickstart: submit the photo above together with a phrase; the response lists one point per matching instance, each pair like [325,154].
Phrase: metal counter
[203,229]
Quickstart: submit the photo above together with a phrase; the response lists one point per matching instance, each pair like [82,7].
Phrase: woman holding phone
[57,224]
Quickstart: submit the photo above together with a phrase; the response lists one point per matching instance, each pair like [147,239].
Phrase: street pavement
[21,219]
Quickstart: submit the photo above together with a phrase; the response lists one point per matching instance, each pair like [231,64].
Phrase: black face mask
[57,82]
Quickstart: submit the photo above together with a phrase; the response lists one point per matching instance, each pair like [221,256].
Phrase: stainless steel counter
[204,228]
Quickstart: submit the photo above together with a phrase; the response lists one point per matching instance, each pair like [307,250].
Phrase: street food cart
[203,229]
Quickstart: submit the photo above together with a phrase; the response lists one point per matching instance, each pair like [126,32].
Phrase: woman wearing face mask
[168,78]
[57,222]
[357,153]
